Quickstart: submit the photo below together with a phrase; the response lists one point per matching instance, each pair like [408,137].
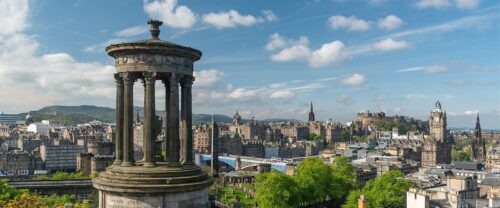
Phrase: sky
[267,59]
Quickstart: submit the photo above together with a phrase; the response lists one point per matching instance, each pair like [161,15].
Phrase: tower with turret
[436,148]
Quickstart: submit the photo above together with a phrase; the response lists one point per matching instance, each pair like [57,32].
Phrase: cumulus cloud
[270,15]
[353,80]
[328,53]
[290,50]
[44,78]
[170,13]
[389,45]
[351,23]
[390,22]
[14,16]
[207,77]
[230,19]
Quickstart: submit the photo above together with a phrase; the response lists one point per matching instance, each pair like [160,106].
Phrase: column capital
[129,78]
[187,81]
[118,79]
[175,79]
[149,77]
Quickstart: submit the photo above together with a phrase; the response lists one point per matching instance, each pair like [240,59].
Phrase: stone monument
[154,181]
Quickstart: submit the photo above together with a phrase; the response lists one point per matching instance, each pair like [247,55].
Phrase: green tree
[275,189]
[8,192]
[387,190]
[344,178]
[314,179]
[344,136]
[315,137]
[463,156]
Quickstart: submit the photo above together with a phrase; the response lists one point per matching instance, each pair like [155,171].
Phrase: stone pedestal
[184,199]
[160,186]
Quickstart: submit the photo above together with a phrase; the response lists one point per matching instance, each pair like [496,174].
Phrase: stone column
[149,119]
[173,120]
[166,143]
[128,126]
[187,123]
[119,120]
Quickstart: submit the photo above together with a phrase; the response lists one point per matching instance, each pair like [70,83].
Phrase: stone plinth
[183,199]
[160,186]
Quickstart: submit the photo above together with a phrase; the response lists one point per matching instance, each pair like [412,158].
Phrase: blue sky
[267,59]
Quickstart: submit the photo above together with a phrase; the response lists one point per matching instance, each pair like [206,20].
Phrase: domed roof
[153,45]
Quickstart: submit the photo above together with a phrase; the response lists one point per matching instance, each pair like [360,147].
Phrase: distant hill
[72,115]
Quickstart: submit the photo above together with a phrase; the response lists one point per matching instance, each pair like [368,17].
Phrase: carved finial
[155,28]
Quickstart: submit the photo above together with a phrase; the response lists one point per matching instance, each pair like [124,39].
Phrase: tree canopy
[387,190]
[275,189]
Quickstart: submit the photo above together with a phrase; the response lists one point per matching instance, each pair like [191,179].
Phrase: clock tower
[437,123]
[436,149]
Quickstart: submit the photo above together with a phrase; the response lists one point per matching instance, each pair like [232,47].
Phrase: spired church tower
[437,149]
[311,113]
[478,144]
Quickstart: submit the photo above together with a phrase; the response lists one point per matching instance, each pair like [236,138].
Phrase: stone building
[298,131]
[18,163]
[247,130]
[316,127]
[60,157]
[436,148]
[254,148]
[202,135]
[493,159]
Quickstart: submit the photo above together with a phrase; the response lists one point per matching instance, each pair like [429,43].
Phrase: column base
[127,164]
[191,199]
[148,165]
[117,162]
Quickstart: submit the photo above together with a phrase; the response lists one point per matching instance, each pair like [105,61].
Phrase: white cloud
[397,110]
[207,77]
[276,41]
[282,94]
[426,69]
[467,4]
[440,4]
[270,15]
[328,53]
[351,23]
[390,22]
[243,94]
[45,78]
[291,50]
[354,80]
[389,44]
[14,16]
[170,13]
[433,4]
[471,112]
[230,19]
[132,31]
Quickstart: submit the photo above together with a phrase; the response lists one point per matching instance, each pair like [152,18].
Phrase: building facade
[436,148]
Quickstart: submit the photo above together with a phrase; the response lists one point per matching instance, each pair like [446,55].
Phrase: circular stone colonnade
[173,181]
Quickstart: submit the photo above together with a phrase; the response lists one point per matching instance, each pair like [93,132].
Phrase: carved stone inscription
[132,202]
[154,60]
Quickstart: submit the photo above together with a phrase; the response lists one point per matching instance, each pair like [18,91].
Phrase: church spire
[311,113]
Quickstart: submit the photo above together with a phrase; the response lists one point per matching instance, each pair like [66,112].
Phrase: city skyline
[267,60]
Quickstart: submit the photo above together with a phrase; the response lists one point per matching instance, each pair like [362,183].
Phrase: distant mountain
[72,115]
